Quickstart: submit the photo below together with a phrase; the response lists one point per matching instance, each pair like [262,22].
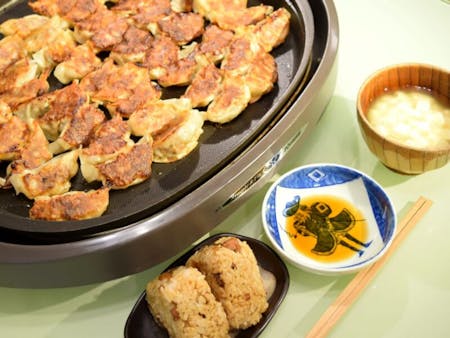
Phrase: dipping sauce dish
[328,219]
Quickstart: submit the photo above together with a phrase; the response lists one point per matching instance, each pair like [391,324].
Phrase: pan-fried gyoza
[50,178]
[72,205]
[108,118]
[81,61]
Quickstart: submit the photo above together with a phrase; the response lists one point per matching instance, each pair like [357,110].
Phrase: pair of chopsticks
[362,279]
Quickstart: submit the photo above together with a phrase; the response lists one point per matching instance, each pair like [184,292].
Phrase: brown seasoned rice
[181,301]
[232,272]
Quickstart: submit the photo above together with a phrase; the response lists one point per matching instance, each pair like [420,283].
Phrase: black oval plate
[140,322]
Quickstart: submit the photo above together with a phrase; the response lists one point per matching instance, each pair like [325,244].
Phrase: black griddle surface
[218,145]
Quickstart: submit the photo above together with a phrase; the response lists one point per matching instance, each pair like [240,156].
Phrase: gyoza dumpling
[215,42]
[231,100]
[241,53]
[122,89]
[133,46]
[159,118]
[179,73]
[57,51]
[130,167]
[51,43]
[22,27]
[130,88]
[79,129]
[34,151]
[182,140]
[271,31]
[261,75]
[79,63]
[235,19]
[11,50]
[13,136]
[204,86]
[110,139]
[18,74]
[73,205]
[35,108]
[51,178]
[64,104]
[143,13]
[22,81]
[162,52]
[24,144]
[210,9]
[103,28]
[76,11]
[181,27]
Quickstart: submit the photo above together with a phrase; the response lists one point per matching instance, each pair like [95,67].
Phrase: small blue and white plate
[328,218]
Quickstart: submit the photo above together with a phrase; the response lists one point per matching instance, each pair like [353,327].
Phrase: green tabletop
[410,297]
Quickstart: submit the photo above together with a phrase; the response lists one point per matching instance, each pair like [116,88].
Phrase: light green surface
[410,297]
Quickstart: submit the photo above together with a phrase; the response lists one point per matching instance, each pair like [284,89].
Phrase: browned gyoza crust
[128,168]
[50,178]
[74,205]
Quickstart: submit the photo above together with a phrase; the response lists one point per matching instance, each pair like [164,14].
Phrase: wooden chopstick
[360,281]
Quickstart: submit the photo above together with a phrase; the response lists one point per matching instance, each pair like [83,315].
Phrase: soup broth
[413,117]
